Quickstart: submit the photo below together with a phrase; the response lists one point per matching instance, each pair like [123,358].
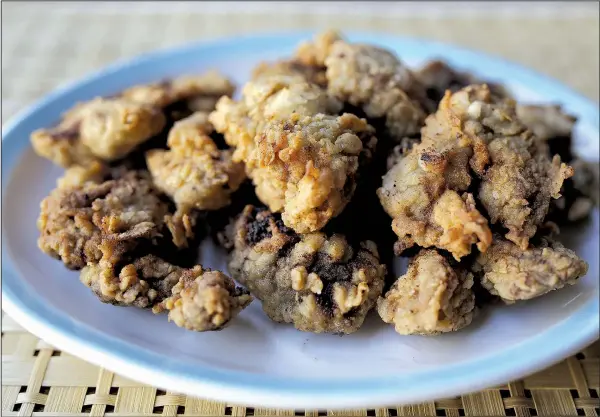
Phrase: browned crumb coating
[318,283]
[204,300]
[74,220]
[194,172]
[522,177]
[513,274]
[303,159]
[103,128]
[432,297]
[425,192]
[196,299]
[374,80]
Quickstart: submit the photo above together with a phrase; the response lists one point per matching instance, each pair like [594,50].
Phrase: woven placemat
[47,44]
[40,380]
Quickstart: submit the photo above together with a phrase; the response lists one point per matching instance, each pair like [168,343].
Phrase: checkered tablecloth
[46,44]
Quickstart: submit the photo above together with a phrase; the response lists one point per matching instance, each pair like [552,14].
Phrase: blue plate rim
[580,329]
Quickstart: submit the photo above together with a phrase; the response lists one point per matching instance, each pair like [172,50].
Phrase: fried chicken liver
[432,297]
[319,283]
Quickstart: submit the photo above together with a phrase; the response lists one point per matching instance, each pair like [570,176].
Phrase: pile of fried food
[332,163]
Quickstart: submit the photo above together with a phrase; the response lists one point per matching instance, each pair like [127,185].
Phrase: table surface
[40,52]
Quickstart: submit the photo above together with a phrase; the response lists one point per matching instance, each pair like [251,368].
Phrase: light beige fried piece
[302,158]
[194,172]
[195,88]
[376,81]
[516,190]
[433,297]
[425,192]
[477,133]
[318,283]
[263,99]
[74,220]
[204,300]
[517,187]
[513,274]
[104,129]
[77,175]
[197,299]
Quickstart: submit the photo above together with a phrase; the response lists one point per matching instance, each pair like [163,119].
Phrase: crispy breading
[303,159]
[374,80]
[194,172]
[473,134]
[197,299]
[74,220]
[204,300]
[432,297]
[105,129]
[317,282]
[521,179]
[513,274]
[426,191]
[109,128]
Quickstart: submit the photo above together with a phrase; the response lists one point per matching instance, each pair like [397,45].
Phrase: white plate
[256,361]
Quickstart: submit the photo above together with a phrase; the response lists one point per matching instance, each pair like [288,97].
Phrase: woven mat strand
[43,48]
[39,53]
[39,380]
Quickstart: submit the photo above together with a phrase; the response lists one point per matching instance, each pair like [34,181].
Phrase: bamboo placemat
[47,44]
[40,380]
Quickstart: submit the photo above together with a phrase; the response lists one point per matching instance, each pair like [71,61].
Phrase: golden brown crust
[318,283]
[74,220]
[105,129]
[374,80]
[508,271]
[196,299]
[522,178]
[204,300]
[431,298]
[303,159]
[425,192]
[194,172]
[109,128]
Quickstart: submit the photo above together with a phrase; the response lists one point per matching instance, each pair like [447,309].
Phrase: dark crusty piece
[75,219]
[317,282]
[197,299]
